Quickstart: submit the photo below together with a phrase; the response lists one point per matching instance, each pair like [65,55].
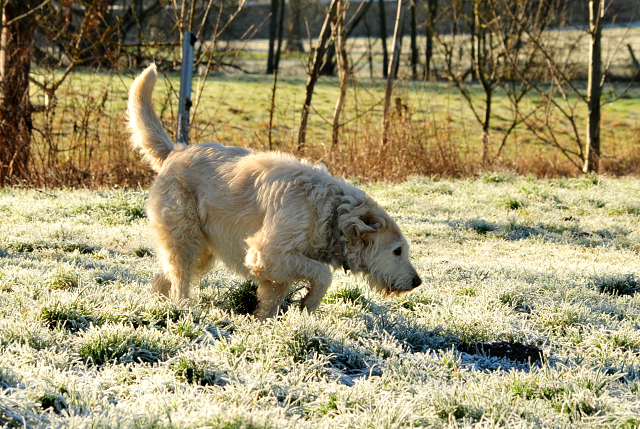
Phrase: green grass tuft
[53,402]
[124,344]
[201,373]
[73,316]
[241,299]
[512,203]
[63,278]
[618,284]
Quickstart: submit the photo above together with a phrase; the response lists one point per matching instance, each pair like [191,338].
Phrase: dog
[268,216]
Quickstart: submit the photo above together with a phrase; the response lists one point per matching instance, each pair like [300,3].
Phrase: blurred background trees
[530,52]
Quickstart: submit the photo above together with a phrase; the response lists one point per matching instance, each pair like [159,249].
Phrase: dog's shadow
[387,332]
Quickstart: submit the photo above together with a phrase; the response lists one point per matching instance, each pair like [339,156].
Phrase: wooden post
[186,76]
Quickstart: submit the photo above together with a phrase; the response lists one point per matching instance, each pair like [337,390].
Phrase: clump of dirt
[503,349]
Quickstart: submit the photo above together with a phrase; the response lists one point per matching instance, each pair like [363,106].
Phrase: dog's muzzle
[417,281]
[403,287]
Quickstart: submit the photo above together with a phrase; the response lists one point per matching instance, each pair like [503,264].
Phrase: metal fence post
[186,76]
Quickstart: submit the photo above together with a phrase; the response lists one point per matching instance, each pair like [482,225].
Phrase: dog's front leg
[319,277]
[279,269]
[317,289]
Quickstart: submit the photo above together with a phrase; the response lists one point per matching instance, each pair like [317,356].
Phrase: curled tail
[146,130]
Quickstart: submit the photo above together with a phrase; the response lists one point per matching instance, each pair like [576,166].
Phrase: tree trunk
[272,108]
[432,6]
[483,75]
[280,35]
[139,10]
[325,33]
[273,34]
[383,37]
[329,66]
[414,45]
[594,91]
[15,107]
[473,49]
[397,40]
[294,35]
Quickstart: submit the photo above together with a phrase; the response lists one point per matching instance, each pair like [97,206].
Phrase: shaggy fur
[267,216]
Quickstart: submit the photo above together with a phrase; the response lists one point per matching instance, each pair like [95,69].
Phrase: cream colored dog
[267,216]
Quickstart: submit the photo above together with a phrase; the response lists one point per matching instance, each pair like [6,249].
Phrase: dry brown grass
[82,142]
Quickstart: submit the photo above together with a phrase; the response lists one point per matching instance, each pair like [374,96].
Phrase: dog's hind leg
[183,257]
[270,296]
[204,264]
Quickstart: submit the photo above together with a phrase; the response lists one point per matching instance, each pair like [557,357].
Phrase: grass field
[553,265]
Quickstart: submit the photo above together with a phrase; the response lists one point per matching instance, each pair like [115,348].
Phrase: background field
[552,264]
[433,130]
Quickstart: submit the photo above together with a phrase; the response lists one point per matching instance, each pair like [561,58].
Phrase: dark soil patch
[514,351]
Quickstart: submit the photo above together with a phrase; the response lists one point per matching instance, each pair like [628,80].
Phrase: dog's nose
[417,281]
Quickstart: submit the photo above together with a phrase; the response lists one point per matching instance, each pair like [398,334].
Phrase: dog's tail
[146,130]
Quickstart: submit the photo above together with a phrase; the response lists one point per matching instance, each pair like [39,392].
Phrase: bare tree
[343,67]
[382,15]
[393,70]
[594,87]
[295,28]
[432,7]
[328,68]
[72,34]
[18,23]
[556,119]
[502,58]
[314,72]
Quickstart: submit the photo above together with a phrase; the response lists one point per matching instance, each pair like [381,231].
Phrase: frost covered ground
[554,265]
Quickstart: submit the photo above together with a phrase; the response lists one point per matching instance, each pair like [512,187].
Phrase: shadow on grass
[568,231]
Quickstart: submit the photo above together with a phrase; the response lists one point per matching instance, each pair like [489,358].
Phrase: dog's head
[376,248]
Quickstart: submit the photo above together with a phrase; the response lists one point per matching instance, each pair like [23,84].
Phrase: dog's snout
[417,281]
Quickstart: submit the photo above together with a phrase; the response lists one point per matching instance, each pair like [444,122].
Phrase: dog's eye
[398,251]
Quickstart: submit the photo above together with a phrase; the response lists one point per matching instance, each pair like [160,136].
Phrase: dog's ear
[372,222]
[360,221]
